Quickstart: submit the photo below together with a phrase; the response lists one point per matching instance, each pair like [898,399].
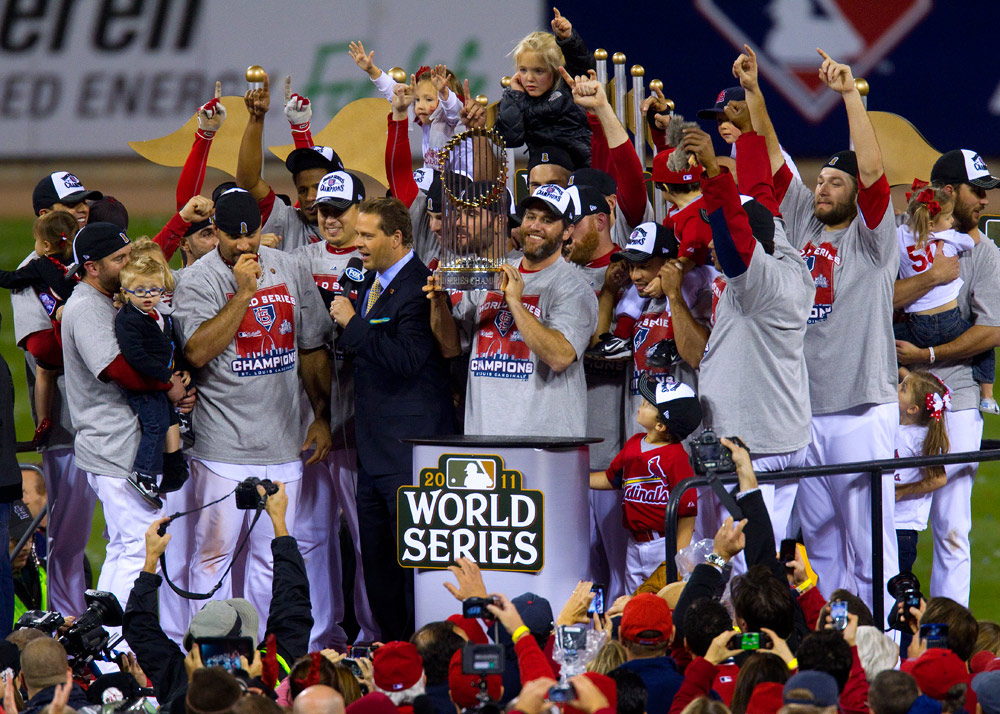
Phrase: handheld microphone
[352,277]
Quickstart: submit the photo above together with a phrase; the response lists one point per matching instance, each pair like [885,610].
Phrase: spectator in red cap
[465,688]
[374,703]
[399,674]
[646,631]
[767,698]
[938,673]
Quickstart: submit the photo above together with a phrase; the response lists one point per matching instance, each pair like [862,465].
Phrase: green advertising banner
[470,506]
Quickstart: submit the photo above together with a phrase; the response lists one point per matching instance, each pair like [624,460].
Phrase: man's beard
[964,222]
[543,251]
[840,213]
[584,247]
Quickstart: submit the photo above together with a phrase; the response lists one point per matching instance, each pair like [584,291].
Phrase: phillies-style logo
[264,314]
[786,34]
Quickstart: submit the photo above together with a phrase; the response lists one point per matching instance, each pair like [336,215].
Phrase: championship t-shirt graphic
[718,287]
[265,340]
[649,331]
[500,350]
[821,261]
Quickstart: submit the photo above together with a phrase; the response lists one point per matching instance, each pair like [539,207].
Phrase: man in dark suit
[400,390]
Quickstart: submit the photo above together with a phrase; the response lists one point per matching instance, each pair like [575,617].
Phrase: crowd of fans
[304,338]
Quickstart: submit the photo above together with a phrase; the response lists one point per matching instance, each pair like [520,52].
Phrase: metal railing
[989,451]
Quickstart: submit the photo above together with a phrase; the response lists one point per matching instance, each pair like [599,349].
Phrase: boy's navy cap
[595,178]
[648,240]
[339,189]
[730,94]
[313,157]
[98,240]
[550,155]
[962,166]
[60,187]
[237,213]
[846,161]
[676,403]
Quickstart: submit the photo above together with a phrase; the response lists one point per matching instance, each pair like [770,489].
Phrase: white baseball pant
[175,611]
[216,532]
[835,511]
[71,510]
[778,497]
[608,541]
[329,489]
[641,559]
[951,511]
[127,518]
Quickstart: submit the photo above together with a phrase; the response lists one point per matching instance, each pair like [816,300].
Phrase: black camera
[247,497]
[44,620]
[482,659]
[905,587]
[473,607]
[708,453]
[561,693]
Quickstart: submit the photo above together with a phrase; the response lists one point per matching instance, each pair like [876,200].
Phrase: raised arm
[211,115]
[398,159]
[839,78]
[745,70]
[251,157]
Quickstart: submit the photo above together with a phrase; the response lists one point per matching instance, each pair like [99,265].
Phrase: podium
[518,506]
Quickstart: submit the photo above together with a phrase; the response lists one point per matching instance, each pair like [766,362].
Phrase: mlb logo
[331,183]
[504,320]
[264,314]
[638,236]
[640,336]
[549,190]
[470,473]
[71,181]
[786,34]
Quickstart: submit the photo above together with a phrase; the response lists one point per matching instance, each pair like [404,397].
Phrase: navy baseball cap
[98,240]
[550,155]
[675,401]
[818,689]
[237,213]
[60,187]
[648,240]
[730,94]
[535,612]
[601,180]
[586,201]
[313,157]
[846,161]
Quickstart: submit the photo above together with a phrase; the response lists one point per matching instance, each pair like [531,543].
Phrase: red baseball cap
[465,687]
[662,174]
[936,671]
[397,666]
[647,620]
[767,698]
[471,627]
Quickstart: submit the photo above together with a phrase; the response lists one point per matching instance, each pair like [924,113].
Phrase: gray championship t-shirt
[107,430]
[425,242]
[327,265]
[30,317]
[979,303]
[753,377]
[606,382]
[248,397]
[850,349]
[287,222]
[510,391]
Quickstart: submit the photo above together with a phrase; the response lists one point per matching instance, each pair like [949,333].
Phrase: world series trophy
[474,211]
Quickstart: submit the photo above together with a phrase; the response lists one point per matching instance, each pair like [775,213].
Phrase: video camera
[905,587]
[86,640]
[247,496]
[483,660]
[709,454]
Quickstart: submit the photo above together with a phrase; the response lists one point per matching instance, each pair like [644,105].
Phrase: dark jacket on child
[144,345]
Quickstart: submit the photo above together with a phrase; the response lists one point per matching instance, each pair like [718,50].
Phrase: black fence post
[878,549]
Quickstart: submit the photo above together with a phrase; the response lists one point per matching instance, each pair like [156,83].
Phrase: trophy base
[464,279]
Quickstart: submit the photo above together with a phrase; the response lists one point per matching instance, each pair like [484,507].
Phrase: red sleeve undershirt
[398,162]
[193,174]
[44,346]
[873,200]
[122,373]
[782,180]
[302,136]
[721,192]
[753,170]
[266,205]
[169,237]
[627,172]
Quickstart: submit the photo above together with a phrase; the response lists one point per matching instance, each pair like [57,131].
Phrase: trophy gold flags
[475,206]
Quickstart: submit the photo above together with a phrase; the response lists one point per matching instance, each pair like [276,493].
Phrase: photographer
[44,673]
[290,618]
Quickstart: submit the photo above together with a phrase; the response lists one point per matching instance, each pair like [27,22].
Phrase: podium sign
[517,506]
[470,506]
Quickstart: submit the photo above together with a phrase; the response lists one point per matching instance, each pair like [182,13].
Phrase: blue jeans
[153,410]
[942,327]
